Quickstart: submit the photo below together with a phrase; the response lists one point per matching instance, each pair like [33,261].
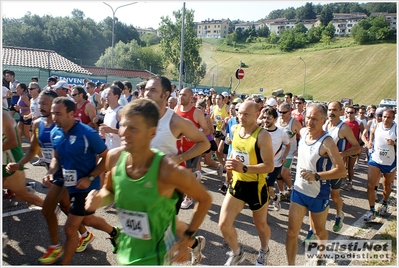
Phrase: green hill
[364,73]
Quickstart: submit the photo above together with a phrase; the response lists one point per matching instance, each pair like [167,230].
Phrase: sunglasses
[350,112]
[283,112]
[30,88]
[73,95]
[298,102]
[378,115]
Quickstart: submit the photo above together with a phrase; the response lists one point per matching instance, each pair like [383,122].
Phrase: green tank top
[12,155]
[148,219]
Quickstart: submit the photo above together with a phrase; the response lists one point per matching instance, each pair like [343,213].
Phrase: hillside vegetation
[365,73]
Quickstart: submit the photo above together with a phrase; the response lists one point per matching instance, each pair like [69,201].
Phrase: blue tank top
[43,136]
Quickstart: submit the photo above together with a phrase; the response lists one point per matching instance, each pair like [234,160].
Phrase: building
[343,22]
[390,17]
[246,25]
[143,31]
[213,28]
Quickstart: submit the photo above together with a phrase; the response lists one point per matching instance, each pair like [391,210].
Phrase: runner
[76,150]
[318,162]
[85,111]
[250,161]
[383,138]
[143,184]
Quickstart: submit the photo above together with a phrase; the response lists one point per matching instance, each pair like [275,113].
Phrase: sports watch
[317,176]
[245,169]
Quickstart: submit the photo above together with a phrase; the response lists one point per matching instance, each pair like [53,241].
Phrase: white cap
[61,84]
[238,105]
[271,102]
[225,94]
[200,93]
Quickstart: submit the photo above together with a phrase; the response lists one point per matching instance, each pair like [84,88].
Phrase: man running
[319,161]
[383,138]
[77,147]
[250,161]
[143,184]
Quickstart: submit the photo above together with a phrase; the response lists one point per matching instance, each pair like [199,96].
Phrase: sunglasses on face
[30,88]
[73,95]
[350,112]
[298,103]
[283,112]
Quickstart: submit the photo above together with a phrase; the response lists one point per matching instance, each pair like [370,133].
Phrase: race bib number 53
[135,224]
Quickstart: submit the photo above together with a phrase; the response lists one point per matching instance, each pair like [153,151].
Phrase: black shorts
[26,122]
[272,177]
[213,148]
[78,204]
[225,148]
[219,135]
[192,163]
[336,184]
[249,193]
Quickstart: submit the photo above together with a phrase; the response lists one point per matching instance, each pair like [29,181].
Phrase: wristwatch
[190,234]
[245,169]
[317,176]
[92,178]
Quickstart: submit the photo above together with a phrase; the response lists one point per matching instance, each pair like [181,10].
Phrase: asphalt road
[28,235]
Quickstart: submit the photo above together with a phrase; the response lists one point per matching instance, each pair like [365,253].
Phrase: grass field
[366,73]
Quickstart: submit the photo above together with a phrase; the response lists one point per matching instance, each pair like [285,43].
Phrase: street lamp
[304,79]
[217,69]
[113,28]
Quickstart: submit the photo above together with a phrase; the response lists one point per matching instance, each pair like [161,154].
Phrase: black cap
[51,79]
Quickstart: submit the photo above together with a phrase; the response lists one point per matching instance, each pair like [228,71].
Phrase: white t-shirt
[122,100]
[5,91]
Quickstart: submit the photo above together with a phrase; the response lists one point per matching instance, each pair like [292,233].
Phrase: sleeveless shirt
[164,139]
[292,135]
[112,140]
[80,113]
[334,133]
[183,144]
[383,153]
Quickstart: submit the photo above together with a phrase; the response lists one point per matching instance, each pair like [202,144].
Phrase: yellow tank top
[219,115]
[247,151]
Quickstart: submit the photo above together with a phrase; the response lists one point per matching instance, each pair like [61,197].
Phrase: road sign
[240,74]
[261,89]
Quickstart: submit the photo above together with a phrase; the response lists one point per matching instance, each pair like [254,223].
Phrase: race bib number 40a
[70,177]
[135,224]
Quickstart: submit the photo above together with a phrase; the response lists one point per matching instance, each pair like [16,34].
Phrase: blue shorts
[272,177]
[315,205]
[78,204]
[384,168]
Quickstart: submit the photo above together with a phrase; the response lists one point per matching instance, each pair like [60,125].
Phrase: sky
[146,14]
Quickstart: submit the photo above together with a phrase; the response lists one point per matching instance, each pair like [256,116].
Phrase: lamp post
[304,79]
[113,28]
[217,69]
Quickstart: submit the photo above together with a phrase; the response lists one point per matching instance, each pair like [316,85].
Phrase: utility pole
[182,48]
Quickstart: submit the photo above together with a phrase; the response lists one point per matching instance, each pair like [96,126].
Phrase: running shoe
[196,253]
[114,240]
[309,237]
[223,189]
[277,204]
[339,223]
[348,186]
[51,256]
[383,211]
[85,241]
[370,215]
[262,258]
[220,171]
[356,166]
[40,162]
[187,202]
[198,175]
[234,260]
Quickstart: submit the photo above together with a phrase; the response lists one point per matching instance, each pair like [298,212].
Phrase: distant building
[246,25]
[143,31]
[213,28]
[390,17]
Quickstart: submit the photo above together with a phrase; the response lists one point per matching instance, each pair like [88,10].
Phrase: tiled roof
[100,71]
[33,57]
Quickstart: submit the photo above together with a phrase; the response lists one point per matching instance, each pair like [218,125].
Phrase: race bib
[70,177]
[241,156]
[48,154]
[135,224]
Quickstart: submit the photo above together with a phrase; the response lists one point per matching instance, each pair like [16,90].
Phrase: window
[199,32]
[214,31]
[349,25]
[394,22]
[349,30]
[218,26]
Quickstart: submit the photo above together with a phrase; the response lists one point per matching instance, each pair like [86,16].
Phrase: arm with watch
[84,182]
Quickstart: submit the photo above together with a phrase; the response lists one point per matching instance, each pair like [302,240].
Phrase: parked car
[258,96]
[388,103]
[343,100]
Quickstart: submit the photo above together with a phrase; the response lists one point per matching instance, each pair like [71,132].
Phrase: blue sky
[148,13]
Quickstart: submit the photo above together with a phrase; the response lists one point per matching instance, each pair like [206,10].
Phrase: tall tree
[170,33]
[306,12]
[326,15]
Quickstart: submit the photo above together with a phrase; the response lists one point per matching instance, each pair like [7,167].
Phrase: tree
[275,14]
[306,12]
[300,28]
[150,39]
[289,13]
[326,15]
[264,31]
[329,30]
[170,46]
[314,34]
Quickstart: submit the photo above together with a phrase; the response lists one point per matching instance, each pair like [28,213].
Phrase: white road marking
[21,211]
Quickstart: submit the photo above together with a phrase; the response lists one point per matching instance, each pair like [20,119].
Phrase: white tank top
[164,139]
[112,140]
[279,138]
[309,158]
[334,133]
[383,153]
[292,135]
[34,108]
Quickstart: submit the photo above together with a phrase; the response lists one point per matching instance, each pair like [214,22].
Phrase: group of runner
[144,158]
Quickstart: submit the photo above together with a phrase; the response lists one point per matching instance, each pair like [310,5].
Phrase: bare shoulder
[170,171]
[113,155]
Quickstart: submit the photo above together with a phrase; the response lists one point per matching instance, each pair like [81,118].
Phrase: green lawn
[364,73]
